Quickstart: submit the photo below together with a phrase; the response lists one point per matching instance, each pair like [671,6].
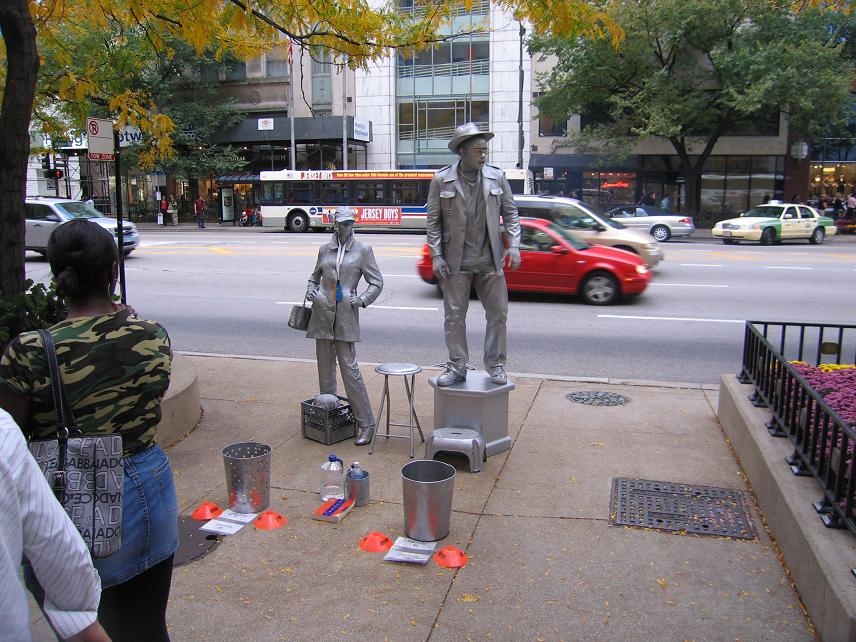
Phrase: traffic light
[53,173]
[46,161]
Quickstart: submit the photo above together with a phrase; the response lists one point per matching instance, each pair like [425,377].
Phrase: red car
[556,262]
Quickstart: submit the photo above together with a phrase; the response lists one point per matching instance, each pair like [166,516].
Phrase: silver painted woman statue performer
[335,321]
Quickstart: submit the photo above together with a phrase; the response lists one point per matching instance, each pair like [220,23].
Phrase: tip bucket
[427,486]
[247,476]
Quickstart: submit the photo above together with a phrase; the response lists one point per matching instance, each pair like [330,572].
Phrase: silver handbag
[300,315]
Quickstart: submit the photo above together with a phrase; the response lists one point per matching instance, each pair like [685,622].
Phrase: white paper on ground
[232,516]
[410,550]
[221,527]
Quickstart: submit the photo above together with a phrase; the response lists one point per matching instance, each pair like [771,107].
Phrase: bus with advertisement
[302,200]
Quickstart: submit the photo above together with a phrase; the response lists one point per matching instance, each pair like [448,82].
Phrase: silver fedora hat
[465,132]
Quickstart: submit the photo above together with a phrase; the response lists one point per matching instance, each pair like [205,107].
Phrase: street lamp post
[520,139]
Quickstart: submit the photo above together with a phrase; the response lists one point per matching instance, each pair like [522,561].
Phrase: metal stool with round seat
[398,370]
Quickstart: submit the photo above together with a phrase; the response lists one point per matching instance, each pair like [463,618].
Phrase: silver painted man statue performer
[335,321]
[465,203]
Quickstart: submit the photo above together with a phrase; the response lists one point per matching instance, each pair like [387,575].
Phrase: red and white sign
[369,215]
[99,135]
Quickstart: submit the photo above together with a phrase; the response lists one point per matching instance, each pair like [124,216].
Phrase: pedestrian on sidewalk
[116,369]
[173,210]
[34,524]
[200,212]
[164,210]
[335,321]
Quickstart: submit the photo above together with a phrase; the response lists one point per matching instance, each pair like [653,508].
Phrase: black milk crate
[327,426]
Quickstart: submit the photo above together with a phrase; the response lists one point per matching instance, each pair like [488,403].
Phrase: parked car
[586,225]
[553,261]
[659,223]
[44,214]
[775,222]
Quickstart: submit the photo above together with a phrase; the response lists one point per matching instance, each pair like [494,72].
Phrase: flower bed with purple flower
[835,383]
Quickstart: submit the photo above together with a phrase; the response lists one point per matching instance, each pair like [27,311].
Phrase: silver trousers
[326,353]
[493,294]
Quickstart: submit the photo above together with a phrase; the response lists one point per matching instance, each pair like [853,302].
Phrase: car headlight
[641,269]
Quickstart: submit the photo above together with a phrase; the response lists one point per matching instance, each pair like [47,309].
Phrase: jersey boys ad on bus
[366,215]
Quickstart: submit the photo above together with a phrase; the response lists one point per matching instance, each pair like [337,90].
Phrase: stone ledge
[819,558]
[180,408]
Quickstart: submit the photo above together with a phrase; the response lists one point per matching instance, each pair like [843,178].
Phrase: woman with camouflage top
[116,370]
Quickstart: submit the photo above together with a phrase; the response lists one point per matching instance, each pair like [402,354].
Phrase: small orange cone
[451,557]
[269,520]
[206,511]
[375,542]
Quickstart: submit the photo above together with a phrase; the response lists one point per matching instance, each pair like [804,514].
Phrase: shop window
[549,127]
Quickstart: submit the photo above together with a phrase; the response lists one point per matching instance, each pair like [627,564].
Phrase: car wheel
[600,288]
[298,222]
[817,236]
[768,236]
[661,233]
[729,242]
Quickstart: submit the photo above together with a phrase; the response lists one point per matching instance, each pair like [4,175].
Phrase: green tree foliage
[691,71]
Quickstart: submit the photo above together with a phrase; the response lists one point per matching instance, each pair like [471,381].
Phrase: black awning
[238,179]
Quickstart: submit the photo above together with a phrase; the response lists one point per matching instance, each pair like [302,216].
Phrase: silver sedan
[659,223]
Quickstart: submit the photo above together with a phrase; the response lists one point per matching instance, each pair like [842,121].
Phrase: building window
[253,67]
[276,62]
[322,86]
[236,71]
[548,127]
[438,118]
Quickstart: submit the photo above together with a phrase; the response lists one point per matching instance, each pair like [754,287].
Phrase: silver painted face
[473,153]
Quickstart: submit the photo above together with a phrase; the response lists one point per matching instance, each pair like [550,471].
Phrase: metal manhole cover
[598,398]
[702,510]
[193,544]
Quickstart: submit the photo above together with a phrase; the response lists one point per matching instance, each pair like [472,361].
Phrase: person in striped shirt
[35,524]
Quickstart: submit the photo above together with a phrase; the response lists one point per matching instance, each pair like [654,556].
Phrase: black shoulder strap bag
[85,472]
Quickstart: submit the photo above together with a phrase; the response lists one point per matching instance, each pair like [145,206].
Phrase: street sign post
[99,134]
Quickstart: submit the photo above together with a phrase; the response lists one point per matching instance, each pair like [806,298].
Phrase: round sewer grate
[597,398]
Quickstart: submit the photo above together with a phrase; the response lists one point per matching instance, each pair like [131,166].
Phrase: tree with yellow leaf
[68,59]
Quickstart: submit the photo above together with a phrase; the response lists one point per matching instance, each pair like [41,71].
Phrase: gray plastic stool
[458,440]
[398,370]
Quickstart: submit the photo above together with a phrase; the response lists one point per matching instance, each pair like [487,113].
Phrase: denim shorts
[149,518]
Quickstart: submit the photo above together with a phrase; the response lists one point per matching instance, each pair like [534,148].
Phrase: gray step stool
[458,440]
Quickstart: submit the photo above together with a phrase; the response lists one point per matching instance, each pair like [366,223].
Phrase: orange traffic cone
[206,511]
[269,520]
[451,557]
[375,542]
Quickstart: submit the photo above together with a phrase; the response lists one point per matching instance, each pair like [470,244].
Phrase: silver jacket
[446,224]
[341,321]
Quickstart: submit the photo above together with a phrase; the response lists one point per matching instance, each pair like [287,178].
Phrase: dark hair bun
[82,254]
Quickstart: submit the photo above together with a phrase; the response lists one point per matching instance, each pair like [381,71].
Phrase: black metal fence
[824,444]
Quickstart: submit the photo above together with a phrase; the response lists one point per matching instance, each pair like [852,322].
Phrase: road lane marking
[379,307]
[692,285]
[627,316]
[701,265]
[786,267]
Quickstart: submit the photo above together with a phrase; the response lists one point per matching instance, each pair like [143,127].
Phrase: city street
[229,291]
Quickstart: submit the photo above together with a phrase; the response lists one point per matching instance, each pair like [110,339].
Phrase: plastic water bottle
[332,479]
[356,472]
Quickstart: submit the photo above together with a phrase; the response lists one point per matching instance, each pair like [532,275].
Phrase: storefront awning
[228,180]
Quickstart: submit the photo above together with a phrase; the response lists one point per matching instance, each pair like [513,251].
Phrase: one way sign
[99,134]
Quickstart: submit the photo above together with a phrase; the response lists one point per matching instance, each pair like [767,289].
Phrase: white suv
[43,214]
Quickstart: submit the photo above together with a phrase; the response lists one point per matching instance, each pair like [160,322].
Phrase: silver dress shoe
[365,436]
[498,376]
[449,377]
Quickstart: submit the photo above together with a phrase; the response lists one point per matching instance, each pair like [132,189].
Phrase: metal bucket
[247,476]
[358,489]
[427,487]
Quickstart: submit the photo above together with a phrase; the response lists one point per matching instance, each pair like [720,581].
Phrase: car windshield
[78,209]
[763,211]
[568,236]
[572,217]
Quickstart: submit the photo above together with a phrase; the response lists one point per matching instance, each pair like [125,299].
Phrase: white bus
[383,199]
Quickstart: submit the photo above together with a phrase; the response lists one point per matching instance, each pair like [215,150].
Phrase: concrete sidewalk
[545,564]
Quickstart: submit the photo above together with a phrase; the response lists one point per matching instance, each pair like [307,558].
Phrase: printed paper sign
[232,516]
[221,527]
